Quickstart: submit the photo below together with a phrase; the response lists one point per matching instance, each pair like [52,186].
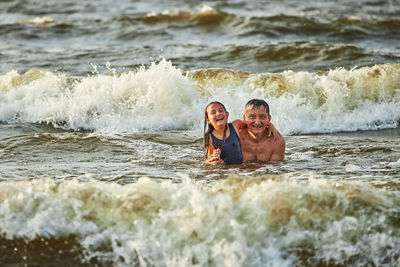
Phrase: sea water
[102,113]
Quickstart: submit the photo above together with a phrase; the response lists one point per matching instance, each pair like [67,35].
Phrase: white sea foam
[41,20]
[37,21]
[159,97]
[162,97]
[237,222]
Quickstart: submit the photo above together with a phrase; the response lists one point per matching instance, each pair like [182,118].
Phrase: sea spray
[150,99]
[159,97]
[240,221]
[324,102]
[163,97]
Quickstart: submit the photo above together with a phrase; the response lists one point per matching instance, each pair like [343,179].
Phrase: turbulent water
[101,119]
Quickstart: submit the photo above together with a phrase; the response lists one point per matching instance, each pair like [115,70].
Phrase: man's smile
[257,126]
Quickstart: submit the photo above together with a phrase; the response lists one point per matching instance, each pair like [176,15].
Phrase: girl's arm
[272,131]
[213,155]
[239,124]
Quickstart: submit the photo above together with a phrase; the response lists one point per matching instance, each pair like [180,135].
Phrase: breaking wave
[163,97]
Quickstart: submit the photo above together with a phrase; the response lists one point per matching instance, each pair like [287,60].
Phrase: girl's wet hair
[208,128]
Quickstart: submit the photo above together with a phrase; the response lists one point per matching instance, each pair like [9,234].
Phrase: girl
[221,143]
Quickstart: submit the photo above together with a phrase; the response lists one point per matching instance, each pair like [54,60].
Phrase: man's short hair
[256,103]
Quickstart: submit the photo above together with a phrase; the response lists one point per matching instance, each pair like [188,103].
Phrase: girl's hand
[215,157]
[271,131]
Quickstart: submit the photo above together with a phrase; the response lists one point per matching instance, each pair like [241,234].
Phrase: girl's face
[217,115]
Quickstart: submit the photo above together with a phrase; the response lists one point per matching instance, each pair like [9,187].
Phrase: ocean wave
[163,97]
[277,25]
[302,102]
[345,27]
[292,53]
[235,222]
[38,21]
[206,15]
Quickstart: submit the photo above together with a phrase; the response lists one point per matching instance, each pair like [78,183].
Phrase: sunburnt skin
[221,142]
[257,144]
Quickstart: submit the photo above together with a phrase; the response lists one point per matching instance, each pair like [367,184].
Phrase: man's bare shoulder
[280,141]
[277,144]
[278,150]
[272,140]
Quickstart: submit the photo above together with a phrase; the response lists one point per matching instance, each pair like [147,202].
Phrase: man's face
[256,119]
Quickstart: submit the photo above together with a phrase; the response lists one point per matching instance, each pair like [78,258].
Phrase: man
[256,144]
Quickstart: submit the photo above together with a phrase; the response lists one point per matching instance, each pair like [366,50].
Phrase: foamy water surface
[101,116]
